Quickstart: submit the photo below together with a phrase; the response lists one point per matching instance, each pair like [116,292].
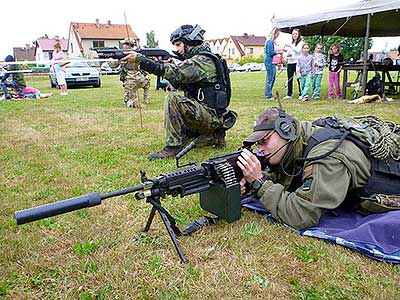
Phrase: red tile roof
[250,40]
[103,31]
[48,44]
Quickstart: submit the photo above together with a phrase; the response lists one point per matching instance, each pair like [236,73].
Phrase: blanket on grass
[376,236]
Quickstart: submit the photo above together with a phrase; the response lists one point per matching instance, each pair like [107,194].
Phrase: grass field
[62,147]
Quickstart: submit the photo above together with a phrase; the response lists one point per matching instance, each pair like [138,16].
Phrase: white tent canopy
[348,20]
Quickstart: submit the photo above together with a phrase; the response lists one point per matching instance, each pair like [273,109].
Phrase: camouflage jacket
[196,68]
[131,70]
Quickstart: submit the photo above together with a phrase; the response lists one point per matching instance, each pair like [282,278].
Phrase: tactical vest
[217,94]
[385,174]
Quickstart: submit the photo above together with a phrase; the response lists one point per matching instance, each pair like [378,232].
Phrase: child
[335,66]
[304,71]
[319,65]
[58,56]
[32,93]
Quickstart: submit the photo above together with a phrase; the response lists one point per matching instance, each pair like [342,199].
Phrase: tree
[351,48]
[151,40]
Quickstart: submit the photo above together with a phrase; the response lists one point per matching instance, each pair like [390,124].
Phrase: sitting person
[317,167]
[17,81]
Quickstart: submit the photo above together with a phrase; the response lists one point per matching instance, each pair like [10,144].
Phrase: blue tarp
[376,236]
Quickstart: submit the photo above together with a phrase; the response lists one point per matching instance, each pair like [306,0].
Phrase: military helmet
[188,34]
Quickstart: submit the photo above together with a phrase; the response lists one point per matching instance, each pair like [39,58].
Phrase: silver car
[78,73]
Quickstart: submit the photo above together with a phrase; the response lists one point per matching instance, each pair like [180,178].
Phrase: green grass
[62,147]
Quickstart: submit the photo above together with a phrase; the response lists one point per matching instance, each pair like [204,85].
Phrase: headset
[283,125]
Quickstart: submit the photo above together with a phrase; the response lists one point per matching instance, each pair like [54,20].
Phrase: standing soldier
[202,114]
[133,78]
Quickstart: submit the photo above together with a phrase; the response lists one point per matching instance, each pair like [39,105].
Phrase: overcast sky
[24,21]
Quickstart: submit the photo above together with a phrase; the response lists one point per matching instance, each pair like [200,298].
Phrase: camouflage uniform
[185,118]
[133,79]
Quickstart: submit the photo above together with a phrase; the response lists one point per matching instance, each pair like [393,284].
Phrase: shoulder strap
[222,70]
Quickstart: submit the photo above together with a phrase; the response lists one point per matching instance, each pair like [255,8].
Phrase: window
[97,44]
[72,47]
[249,50]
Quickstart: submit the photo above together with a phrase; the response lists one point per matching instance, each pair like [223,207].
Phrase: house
[246,45]
[83,37]
[217,45]
[24,53]
[44,48]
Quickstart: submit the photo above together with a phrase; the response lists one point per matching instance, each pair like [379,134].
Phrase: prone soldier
[351,163]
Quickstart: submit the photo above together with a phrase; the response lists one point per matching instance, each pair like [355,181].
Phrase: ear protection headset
[283,125]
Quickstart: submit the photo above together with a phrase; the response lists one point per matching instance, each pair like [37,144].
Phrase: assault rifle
[216,179]
[116,53]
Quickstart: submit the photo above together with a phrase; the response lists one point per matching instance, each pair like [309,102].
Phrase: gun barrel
[56,208]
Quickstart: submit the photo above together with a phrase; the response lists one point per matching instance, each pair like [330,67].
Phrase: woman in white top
[293,53]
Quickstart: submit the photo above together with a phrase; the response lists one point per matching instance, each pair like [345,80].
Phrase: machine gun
[116,53]
[216,179]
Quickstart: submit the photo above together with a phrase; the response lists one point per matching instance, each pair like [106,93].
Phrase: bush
[250,59]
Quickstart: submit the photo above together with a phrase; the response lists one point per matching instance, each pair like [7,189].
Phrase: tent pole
[365,66]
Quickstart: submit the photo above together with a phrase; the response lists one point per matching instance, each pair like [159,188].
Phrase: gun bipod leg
[169,223]
[150,219]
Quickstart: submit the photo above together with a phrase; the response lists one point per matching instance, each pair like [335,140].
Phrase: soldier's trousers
[186,119]
[131,87]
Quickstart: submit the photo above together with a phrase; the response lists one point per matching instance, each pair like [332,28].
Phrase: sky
[31,19]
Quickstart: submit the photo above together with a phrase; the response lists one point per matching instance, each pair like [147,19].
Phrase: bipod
[169,223]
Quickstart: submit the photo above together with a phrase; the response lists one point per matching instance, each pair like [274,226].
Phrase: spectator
[319,65]
[304,71]
[32,93]
[17,81]
[335,66]
[58,57]
[271,59]
[293,53]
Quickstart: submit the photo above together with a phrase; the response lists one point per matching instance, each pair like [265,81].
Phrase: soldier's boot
[166,152]
[220,141]
[130,104]
[146,100]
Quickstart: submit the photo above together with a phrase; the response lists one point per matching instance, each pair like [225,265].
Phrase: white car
[250,67]
[78,73]
[233,67]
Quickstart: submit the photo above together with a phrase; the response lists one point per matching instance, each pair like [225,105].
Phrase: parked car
[234,67]
[106,69]
[250,67]
[78,73]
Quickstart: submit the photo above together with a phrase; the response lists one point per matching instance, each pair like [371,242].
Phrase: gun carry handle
[56,208]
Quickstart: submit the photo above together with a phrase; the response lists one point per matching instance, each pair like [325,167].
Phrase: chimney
[245,34]
[109,22]
[98,23]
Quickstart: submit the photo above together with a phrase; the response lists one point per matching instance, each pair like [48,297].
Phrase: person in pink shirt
[58,56]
